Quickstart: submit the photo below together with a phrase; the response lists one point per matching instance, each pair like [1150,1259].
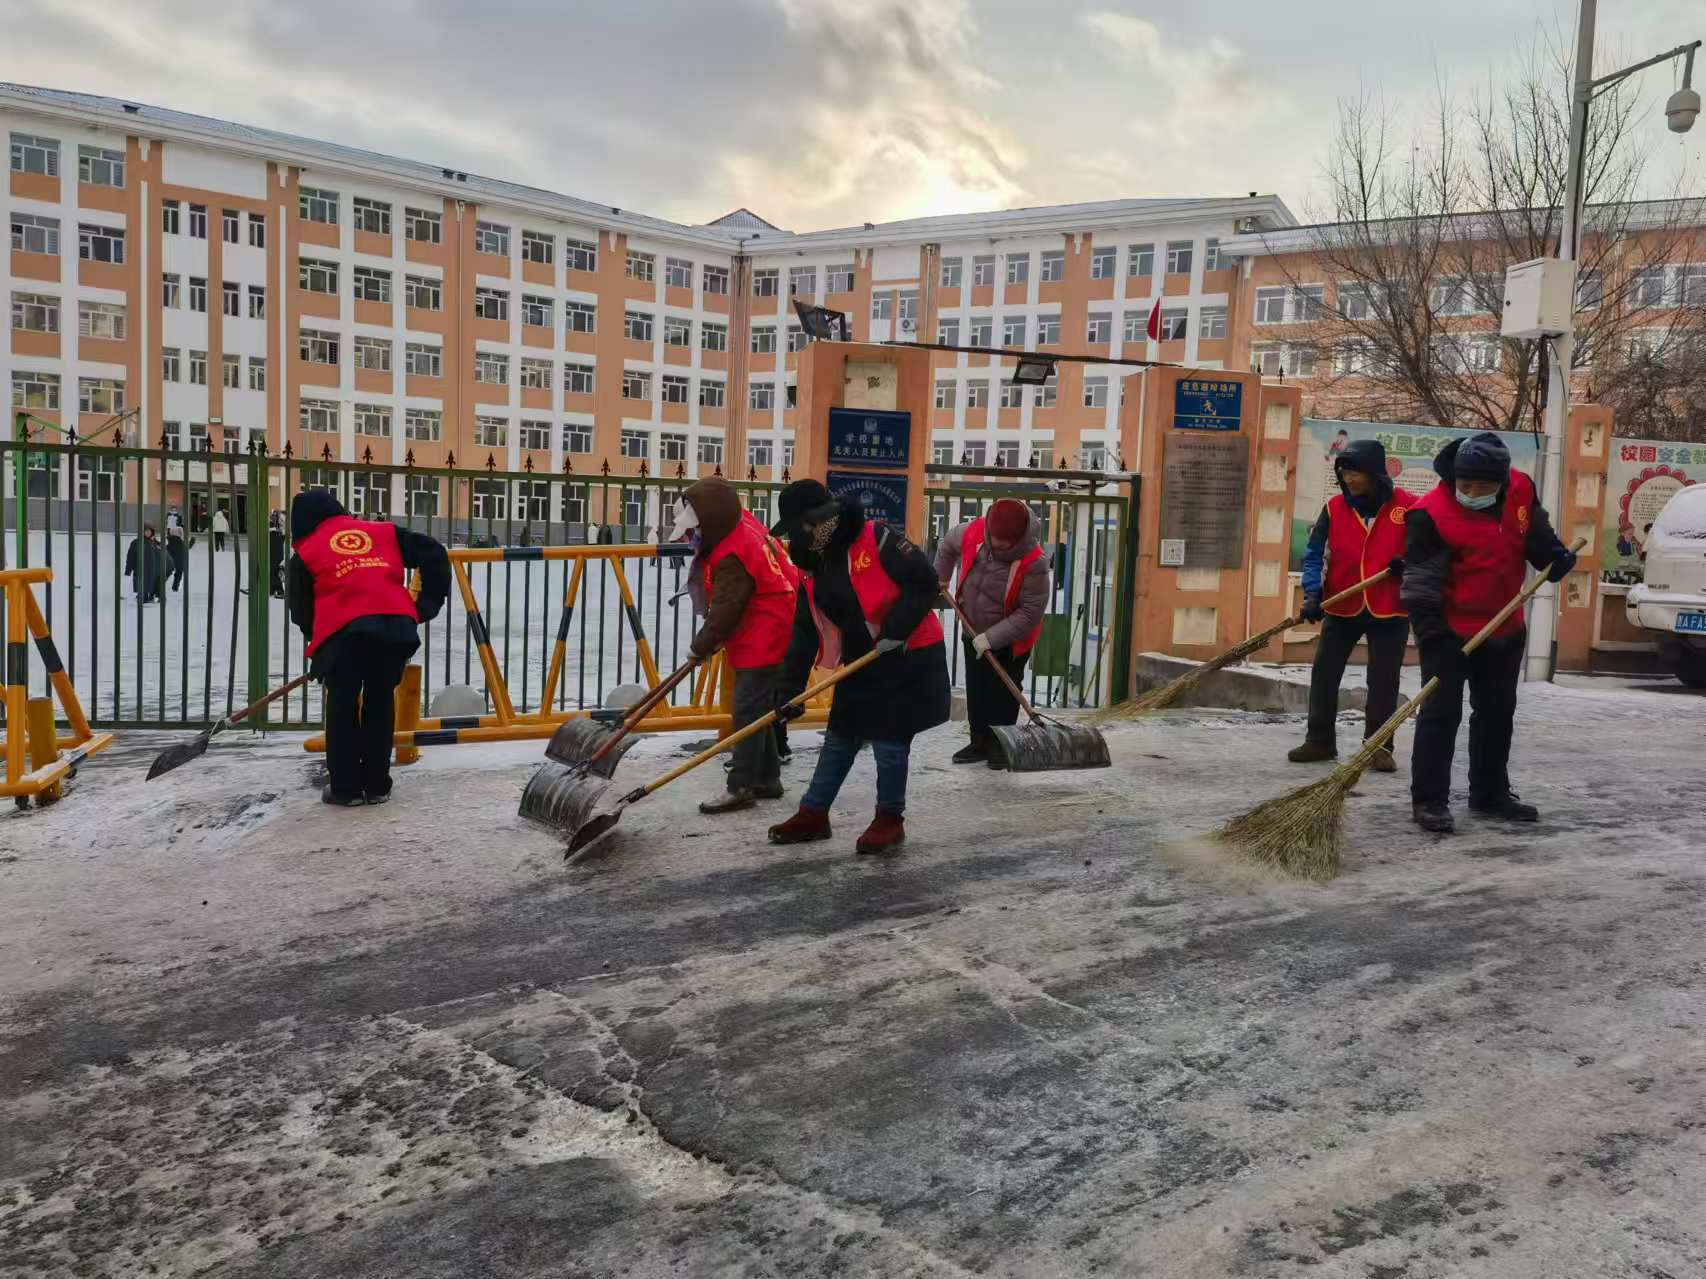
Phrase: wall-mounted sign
[1208,404]
[1204,487]
[870,437]
[882,496]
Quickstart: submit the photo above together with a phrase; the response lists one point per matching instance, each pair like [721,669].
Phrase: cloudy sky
[821,113]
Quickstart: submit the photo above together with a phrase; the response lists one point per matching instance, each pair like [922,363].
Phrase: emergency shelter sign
[1208,404]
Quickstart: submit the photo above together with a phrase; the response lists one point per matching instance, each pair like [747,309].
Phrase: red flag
[1154,329]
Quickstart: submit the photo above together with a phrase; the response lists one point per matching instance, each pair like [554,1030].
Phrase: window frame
[317,204]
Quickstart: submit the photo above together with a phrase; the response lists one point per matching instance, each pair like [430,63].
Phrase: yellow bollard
[408,713]
[44,744]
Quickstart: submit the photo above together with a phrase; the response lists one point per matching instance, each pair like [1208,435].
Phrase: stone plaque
[1205,480]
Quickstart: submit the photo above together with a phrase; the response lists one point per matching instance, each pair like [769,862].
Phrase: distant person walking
[277,545]
[221,526]
[145,561]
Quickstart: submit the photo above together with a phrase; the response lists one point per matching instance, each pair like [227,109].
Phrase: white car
[1671,602]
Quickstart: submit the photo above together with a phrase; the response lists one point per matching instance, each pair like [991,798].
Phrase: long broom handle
[1012,686]
[758,725]
[641,709]
[1285,624]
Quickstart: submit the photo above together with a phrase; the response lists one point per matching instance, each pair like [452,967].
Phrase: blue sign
[869,437]
[1208,404]
[882,496]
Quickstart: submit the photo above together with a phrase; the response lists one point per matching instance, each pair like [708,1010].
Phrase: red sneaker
[886,833]
[802,828]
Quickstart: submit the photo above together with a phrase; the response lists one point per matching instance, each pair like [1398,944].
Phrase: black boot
[1311,753]
[975,751]
[330,796]
[1506,807]
[1434,816]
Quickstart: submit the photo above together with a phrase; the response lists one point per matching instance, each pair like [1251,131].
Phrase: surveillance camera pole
[1543,616]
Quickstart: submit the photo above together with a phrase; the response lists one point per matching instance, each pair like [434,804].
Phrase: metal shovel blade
[1047,744]
[180,754]
[576,741]
[569,803]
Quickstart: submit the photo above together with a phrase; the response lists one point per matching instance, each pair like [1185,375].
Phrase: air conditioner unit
[907,326]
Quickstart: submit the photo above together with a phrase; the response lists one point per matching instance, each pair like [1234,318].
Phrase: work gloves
[1562,563]
[1395,569]
[1312,610]
[789,711]
[980,644]
[890,645]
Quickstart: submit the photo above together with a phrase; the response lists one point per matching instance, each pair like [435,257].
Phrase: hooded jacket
[1371,546]
[733,587]
[983,591]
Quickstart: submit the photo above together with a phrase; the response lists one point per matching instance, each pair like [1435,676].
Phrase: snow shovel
[176,756]
[1045,743]
[565,800]
[590,744]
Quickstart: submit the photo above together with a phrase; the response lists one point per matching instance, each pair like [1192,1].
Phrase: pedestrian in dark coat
[145,561]
[349,597]
[277,545]
[867,587]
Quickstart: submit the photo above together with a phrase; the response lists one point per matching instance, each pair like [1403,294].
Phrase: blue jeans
[835,761]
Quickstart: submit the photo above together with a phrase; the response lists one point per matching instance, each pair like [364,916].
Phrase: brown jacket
[718,507]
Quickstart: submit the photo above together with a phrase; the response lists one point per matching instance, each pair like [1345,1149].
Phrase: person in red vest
[867,586]
[1465,545]
[348,595]
[1004,589]
[1360,532]
[748,587]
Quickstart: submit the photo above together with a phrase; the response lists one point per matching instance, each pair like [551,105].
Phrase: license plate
[1691,622]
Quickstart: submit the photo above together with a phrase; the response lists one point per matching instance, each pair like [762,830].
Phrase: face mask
[1476,503]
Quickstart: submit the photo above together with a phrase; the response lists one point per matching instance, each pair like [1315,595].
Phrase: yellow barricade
[48,766]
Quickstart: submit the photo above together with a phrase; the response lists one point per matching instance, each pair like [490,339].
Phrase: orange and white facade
[236,284]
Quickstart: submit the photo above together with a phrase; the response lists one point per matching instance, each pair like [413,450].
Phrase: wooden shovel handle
[269,699]
[640,709]
[1012,686]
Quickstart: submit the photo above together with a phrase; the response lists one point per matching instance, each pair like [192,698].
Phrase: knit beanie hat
[1008,519]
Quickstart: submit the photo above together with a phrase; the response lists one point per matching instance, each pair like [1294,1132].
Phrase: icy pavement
[247,1035]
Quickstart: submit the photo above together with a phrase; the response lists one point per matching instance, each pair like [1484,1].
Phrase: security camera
[1681,109]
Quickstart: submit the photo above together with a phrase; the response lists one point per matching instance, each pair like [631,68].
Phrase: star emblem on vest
[352,541]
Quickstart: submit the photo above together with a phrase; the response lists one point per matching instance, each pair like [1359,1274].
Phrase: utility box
[1540,298]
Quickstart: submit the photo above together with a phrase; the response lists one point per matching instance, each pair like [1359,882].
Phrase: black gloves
[789,711]
[1312,610]
[1395,570]
[1562,563]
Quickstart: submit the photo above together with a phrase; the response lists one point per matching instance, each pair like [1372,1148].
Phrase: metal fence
[219,635]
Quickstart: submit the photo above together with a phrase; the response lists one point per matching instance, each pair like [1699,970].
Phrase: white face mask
[1476,503]
[686,519]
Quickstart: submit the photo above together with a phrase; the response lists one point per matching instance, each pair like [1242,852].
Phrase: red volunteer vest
[970,544]
[877,594]
[358,572]
[1488,564]
[1355,552]
[761,637]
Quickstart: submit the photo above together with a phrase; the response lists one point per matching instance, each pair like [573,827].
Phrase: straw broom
[1158,698]
[1301,834]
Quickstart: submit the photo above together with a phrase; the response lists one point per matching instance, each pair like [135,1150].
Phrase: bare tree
[1414,241]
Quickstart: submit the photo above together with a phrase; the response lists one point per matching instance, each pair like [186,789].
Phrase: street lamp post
[1680,112]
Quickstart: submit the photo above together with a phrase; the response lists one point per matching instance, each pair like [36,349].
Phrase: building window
[420,494]
[942,453]
[317,347]
[422,225]
[491,367]
[171,365]
[1648,287]
[636,385]
[318,416]
[577,438]
[535,374]
[317,277]
[1211,254]
[677,273]
[1136,326]
[231,372]
[766,284]
[948,332]
[641,266]
[100,167]
[198,368]
[537,311]
[1590,291]
[578,379]
[425,425]
[316,205]
[1212,322]
[677,331]
[764,339]
[711,394]
[945,395]
[535,437]
[579,255]
[982,330]
[198,294]
[761,396]
[637,326]
[713,337]
[1270,305]
[790,395]
[489,499]
[37,312]
[796,339]
[802,282]
[104,320]
[490,237]
[1095,392]
[951,272]
[100,243]
[31,390]
[422,293]
[32,233]
[973,454]
[1012,394]
[491,304]
[1048,394]
[1048,330]
[257,231]
[580,317]
[1103,263]
[1007,453]
[710,450]
[1013,330]
[1093,457]
[672,447]
[373,354]
[839,279]
[100,394]
[1054,266]
[169,210]
[634,443]
[983,270]
[882,306]
[1278,360]
[1174,325]
[716,279]
[760,453]
[371,284]
[231,226]
[1178,257]
[31,154]
[171,291]
[198,221]
[1018,268]
[538,247]
[420,360]
[1100,330]
[257,373]
[977,393]
[491,432]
